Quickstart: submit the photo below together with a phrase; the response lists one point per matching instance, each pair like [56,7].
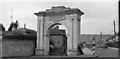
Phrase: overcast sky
[98,14]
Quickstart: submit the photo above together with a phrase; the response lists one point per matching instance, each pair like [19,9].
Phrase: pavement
[87,54]
[51,57]
[113,48]
[87,51]
[107,52]
[102,52]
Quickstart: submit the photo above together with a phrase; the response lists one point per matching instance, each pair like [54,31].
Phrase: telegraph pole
[102,39]
[114,28]
[101,34]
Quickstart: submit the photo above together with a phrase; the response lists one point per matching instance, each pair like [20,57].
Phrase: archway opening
[57,39]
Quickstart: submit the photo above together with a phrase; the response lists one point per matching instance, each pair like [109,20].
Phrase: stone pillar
[38,34]
[79,24]
[39,49]
[70,39]
[76,36]
[0,42]
[0,35]
[46,45]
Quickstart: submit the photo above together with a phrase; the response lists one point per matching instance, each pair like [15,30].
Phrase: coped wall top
[59,10]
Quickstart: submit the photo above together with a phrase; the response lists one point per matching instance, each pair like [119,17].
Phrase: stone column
[76,36]
[40,36]
[79,22]
[70,38]
[46,45]
[0,35]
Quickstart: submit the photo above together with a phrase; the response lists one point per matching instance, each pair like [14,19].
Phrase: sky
[98,14]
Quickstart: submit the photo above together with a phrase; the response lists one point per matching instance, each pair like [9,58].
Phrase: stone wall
[0,47]
[0,43]
[17,47]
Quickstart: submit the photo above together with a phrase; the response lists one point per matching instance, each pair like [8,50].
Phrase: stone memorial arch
[68,17]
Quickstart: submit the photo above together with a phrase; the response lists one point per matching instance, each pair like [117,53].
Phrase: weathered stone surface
[0,40]
[68,17]
[0,48]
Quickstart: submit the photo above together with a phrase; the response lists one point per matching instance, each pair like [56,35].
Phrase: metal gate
[58,45]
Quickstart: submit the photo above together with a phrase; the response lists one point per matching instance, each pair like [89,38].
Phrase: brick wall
[17,47]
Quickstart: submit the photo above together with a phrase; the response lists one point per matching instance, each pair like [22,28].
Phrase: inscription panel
[57,18]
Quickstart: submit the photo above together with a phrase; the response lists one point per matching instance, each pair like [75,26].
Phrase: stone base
[46,53]
[72,52]
[39,52]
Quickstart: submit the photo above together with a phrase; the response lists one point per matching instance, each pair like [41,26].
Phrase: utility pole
[101,34]
[114,30]
[102,39]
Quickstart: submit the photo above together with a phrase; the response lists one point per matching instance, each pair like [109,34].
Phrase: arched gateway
[68,17]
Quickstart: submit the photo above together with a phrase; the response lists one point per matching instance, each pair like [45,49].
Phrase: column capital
[40,18]
[76,19]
